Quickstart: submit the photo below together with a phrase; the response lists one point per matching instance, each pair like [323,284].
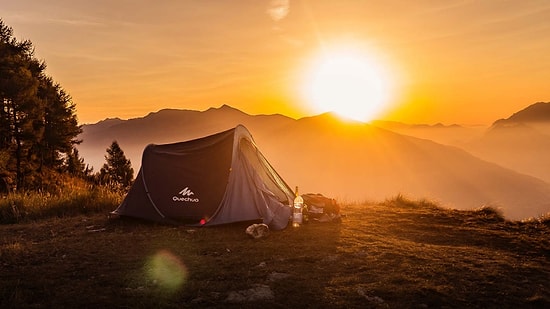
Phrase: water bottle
[297,210]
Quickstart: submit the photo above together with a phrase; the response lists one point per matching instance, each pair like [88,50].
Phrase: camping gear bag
[319,206]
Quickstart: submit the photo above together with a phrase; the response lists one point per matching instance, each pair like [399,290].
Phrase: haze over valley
[456,166]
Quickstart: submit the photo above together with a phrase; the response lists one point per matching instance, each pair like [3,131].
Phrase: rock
[375,300]
[258,292]
[274,276]
[257,230]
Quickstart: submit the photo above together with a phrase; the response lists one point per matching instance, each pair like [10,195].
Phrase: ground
[396,254]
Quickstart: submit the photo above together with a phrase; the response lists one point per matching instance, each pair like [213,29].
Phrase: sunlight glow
[349,82]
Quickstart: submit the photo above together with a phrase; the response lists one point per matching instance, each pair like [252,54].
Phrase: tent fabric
[217,179]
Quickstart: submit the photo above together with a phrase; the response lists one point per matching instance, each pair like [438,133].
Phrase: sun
[348,82]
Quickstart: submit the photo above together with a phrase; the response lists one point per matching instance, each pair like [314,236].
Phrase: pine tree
[38,124]
[60,123]
[117,171]
[74,165]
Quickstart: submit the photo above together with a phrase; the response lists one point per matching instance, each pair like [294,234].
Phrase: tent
[217,179]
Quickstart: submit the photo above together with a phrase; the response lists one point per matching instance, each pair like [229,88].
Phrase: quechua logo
[185,195]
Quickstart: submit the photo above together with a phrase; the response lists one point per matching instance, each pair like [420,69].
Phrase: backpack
[319,207]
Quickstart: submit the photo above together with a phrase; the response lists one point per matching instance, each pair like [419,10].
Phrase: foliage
[490,212]
[117,172]
[38,124]
[74,165]
[73,196]
[402,201]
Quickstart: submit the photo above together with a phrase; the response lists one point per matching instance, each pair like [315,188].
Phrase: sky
[447,61]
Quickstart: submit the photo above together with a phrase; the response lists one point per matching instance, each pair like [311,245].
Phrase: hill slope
[452,135]
[361,161]
[350,161]
[520,142]
[535,113]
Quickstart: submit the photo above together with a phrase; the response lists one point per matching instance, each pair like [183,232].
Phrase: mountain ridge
[520,142]
[537,112]
[351,161]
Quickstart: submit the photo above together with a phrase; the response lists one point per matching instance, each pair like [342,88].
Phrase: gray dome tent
[217,179]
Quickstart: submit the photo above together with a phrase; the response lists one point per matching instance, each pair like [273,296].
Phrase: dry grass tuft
[75,197]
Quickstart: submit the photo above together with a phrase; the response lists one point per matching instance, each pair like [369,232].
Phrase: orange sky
[468,62]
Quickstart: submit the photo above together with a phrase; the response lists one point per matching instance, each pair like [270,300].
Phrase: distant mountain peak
[538,112]
[107,122]
[226,109]
[165,111]
[397,124]
[333,117]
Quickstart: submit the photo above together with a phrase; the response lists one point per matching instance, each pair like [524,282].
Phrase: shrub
[490,212]
[403,201]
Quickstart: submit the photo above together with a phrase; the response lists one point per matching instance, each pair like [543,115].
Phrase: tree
[60,124]
[74,165]
[38,124]
[118,170]
[19,75]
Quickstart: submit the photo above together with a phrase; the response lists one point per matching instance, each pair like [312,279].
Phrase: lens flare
[167,271]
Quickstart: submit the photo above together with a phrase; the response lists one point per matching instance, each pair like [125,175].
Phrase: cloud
[74,22]
[278,9]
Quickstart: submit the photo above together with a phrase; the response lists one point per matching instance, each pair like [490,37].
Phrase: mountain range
[520,142]
[352,161]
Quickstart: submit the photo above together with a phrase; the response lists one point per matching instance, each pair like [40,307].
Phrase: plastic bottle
[305,214]
[297,210]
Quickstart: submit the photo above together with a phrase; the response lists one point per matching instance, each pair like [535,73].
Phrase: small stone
[259,292]
[274,276]
[257,230]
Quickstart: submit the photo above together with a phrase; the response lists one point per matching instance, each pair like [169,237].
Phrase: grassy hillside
[396,254]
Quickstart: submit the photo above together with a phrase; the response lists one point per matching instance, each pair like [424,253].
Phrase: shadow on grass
[224,266]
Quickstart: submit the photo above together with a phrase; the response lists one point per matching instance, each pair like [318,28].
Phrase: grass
[395,254]
[76,197]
